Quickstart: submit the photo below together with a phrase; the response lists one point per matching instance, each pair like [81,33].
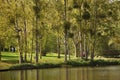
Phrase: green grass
[10,57]
[13,58]
[10,61]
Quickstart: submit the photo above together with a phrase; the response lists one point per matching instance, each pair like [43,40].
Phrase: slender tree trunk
[19,49]
[94,29]
[0,51]
[25,40]
[36,34]
[19,42]
[93,50]
[65,29]
[36,41]
[32,44]
[40,48]
[25,32]
[58,45]
[76,50]
[86,51]
[0,55]
[66,47]
[69,52]
[81,45]
[32,48]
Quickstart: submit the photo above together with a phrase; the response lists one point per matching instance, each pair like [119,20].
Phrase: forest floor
[10,61]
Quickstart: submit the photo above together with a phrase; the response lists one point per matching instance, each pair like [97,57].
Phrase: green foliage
[78,63]
[22,66]
[101,15]
[111,53]
[104,62]
[36,9]
[67,25]
[75,4]
[88,23]
[71,35]
[85,5]
[86,15]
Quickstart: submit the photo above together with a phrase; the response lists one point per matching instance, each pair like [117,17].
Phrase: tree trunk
[0,50]
[93,51]
[32,48]
[58,46]
[36,41]
[19,50]
[25,33]
[69,52]
[81,46]
[66,47]
[36,34]
[94,29]
[19,41]
[76,50]
[0,55]
[25,40]
[65,30]
[40,48]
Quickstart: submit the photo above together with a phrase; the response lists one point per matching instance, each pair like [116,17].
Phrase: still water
[82,73]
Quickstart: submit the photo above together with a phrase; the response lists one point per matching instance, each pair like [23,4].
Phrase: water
[82,73]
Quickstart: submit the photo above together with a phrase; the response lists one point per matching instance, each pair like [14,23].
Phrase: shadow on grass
[55,56]
[5,56]
[11,61]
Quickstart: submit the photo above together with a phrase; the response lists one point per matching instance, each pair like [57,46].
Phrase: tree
[66,27]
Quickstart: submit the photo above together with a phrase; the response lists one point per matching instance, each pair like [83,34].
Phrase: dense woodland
[80,28]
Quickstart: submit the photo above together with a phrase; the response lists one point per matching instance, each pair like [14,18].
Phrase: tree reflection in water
[85,73]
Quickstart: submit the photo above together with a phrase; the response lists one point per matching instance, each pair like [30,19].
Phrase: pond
[81,73]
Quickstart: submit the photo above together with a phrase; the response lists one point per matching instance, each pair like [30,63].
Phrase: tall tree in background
[66,27]
[37,15]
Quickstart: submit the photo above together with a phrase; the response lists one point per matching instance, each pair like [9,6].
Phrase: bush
[110,53]
[23,66]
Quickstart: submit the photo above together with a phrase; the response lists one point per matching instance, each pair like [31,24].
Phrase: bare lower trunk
[76,50]
[0,55]
[25,40]
[19,50]
[58,46]
[31,55]
[37,48]
[0,50]
[19,41]
[81,46]
[69,52]
[65,30]
[40,47]
[36,41]
[93,51]
[66,48]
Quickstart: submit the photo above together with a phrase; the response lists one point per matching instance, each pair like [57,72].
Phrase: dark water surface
[82,73]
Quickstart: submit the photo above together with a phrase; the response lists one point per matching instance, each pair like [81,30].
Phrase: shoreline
[68,64]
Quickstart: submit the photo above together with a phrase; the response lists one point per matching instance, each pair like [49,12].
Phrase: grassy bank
[10,62]
[71,63]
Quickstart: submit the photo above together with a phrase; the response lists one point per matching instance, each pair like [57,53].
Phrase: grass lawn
[10,59]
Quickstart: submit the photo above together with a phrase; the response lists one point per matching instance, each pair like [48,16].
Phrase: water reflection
[105,73]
